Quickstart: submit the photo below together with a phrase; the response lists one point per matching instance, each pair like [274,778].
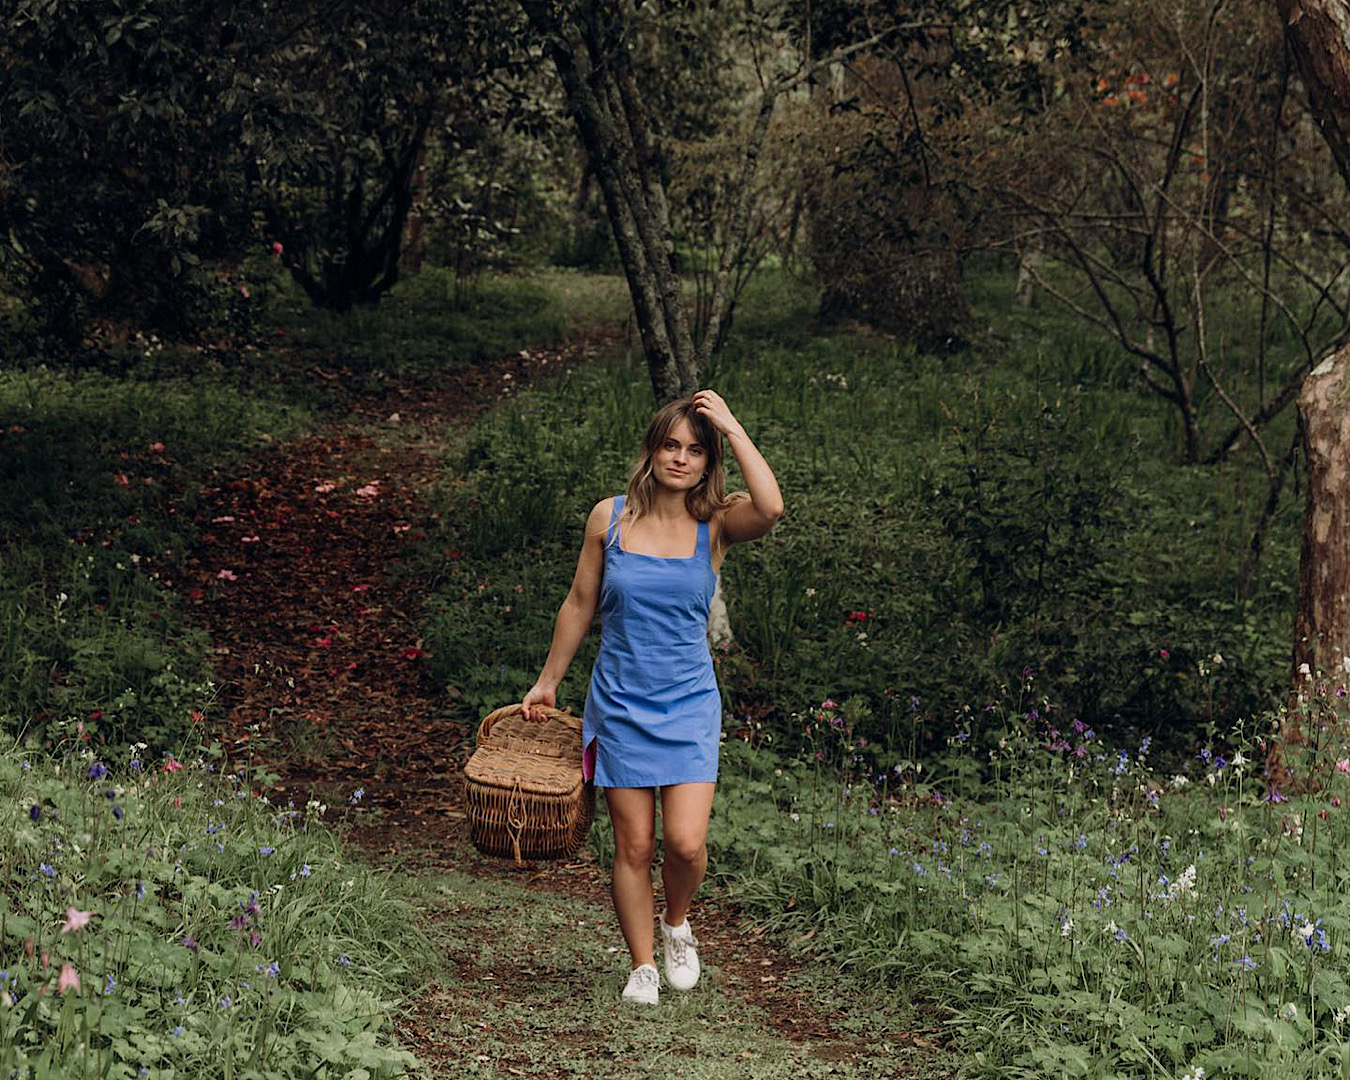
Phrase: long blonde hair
[705,499]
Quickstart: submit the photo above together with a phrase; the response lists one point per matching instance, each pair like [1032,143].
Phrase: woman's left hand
[709,403]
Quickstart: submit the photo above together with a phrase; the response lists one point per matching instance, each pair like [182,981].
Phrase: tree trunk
[1322,623]
[1318,32]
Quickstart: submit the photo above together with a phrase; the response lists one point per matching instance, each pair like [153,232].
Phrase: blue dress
[653,710]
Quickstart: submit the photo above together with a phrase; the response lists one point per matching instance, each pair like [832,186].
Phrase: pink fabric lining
[588,761]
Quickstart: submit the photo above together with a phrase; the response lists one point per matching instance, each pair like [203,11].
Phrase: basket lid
[557,736]
[535,774]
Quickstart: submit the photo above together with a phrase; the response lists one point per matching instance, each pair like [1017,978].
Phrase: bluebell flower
[140,890]
[224,1001]
[266,849]
[47,870]
[1121,935]
[109,986]
[1245,964]
[305,870]
[344,962]
[178,1030]
[357,796]
[97,771]
[135,765]
[1080,843]
[35,814]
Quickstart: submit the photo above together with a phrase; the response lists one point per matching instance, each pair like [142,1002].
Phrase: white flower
[1306,932]
[1345,660]
[1218,658]
[810,592]
[1180,781]
[1066,927]
[1305,671]
[1290,1010]
[1239,760]
[1196,1073]
[795,816]
[1341,1015]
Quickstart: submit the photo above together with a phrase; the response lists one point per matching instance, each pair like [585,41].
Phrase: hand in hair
[709,403]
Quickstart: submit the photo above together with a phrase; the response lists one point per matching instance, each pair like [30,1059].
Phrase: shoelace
[679,949]
[646,976]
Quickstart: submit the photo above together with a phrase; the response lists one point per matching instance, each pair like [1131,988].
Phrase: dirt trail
[318,655]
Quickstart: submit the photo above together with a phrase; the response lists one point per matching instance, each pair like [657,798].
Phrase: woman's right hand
[539,694]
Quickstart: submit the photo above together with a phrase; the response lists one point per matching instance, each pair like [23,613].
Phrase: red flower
[323,642]
[856,618]
[413,652]
[171,764]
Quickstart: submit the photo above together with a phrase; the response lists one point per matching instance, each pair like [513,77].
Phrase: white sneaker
[680,951]
[643,985]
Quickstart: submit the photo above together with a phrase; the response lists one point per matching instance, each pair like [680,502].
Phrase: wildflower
[227,575]
[1080,843]
[1245,964]
[277,249]
[118,812]
[97,771]
[171,764]
[1275,795]
[357,796]
[46,869]
[109,986]
[140,890]
[75,920]
[35,814]
[266,849]
[1120,934]
[224,1001]
[1196,1073]
[189,943]
[1066,927]
[135,765]
[1343,765]
[69,979]
[305,870]
[177,1031]
[344,962]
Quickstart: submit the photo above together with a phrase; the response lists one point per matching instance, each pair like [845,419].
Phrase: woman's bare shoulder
[597,521]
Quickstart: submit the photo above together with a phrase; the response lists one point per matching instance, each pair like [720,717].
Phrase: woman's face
[680,461]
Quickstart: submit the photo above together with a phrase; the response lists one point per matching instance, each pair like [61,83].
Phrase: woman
[653,711]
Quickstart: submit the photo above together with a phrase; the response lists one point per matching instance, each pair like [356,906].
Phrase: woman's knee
[634,850]
[683,847]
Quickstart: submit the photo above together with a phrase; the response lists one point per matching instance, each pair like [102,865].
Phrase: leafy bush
[1073,909]
[206,932]
[950,522]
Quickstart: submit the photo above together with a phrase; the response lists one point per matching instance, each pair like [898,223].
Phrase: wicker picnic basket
[524,793]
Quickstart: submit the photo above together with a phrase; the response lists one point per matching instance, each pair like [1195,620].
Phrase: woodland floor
[317,653]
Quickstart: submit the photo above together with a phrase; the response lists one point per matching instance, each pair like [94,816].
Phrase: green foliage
[1074,909]
[226,936]
[99,475]
[950,521]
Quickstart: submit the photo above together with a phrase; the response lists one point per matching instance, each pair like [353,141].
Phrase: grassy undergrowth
[950,521]
[161,918]
[532,989]
[100,468]
[1074,910]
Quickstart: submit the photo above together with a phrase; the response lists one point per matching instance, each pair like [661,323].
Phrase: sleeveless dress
[653,710]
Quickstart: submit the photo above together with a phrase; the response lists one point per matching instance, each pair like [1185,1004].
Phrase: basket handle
[550,715]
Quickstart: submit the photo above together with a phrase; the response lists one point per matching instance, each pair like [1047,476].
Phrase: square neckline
[618,538]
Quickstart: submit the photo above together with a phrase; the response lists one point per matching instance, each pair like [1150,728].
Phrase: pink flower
[227,575]
[828,703]
[75,920]
[243,291]
[277,249]
[171,764]
[323,642]
[1163,654]
[69,980]
[370,490]
[156,448]
[1343,765]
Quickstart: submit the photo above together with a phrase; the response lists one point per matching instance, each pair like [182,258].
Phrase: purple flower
[109,986]
[1275,795]
[47,869]
[266,849]
[357,796]
[35,814]
[97,771]
[190,943]
[344,962]
[240,922]
[119,813]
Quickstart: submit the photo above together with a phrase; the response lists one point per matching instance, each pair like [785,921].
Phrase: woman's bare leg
[633,814]
[684,830]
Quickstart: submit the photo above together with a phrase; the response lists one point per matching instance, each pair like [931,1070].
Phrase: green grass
[950,521]
[228,936]
[532,988]
[1070,907]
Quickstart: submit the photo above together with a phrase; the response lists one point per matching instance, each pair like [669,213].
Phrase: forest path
[317,652]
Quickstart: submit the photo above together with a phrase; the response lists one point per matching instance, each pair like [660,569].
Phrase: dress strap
[703,546]
[610,535]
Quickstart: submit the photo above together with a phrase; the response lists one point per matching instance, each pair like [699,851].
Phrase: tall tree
[591,44]
[1318,32]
